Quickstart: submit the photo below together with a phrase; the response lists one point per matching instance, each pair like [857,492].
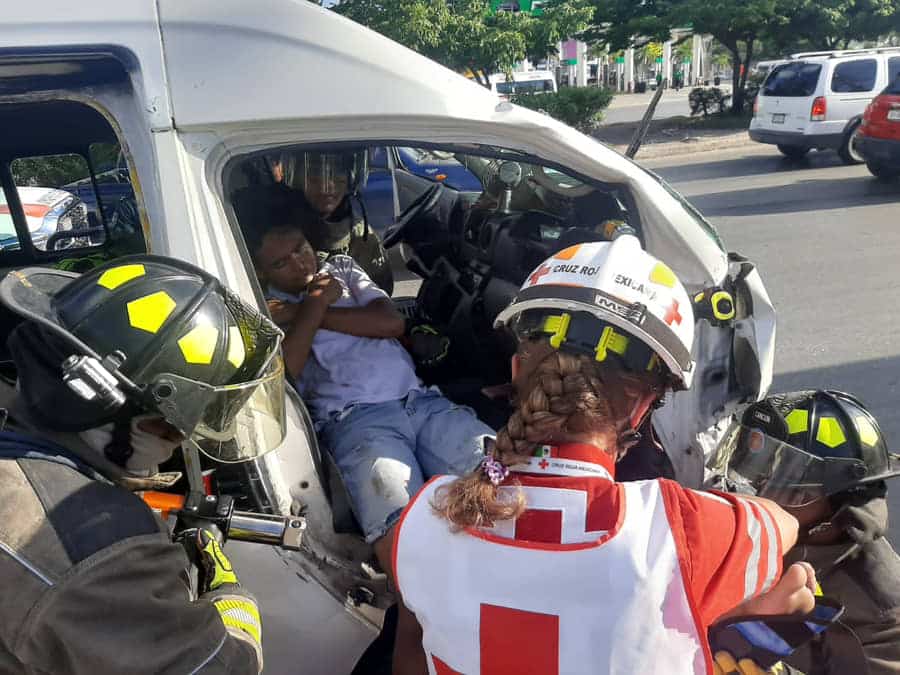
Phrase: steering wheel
[426,200]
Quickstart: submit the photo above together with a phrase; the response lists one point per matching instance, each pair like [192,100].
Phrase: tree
[736,25]
[468,34]
[834,24]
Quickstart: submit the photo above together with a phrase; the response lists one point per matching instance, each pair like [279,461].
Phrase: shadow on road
[806,195]
[748,165]
[876,382]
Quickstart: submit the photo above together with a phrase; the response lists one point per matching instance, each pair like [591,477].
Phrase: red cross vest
[548,593]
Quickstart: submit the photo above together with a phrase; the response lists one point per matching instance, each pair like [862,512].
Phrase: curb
[689,146]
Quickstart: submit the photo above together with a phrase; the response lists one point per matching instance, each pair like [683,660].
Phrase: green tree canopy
[468,34]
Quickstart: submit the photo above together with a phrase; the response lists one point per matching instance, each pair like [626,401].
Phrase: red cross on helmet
[612,300]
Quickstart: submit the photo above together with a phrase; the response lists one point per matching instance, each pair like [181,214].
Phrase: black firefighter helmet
[802,446]
[147,333]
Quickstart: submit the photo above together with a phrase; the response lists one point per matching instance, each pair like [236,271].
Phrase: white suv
[816,100]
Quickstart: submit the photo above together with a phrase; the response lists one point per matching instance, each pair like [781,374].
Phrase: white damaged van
[175,106]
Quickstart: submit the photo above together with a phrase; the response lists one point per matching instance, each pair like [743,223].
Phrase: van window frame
[27,253]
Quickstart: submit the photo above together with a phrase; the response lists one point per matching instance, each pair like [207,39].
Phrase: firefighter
[822,457]
[116,369]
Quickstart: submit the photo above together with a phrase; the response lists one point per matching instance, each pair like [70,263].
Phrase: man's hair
[265,209]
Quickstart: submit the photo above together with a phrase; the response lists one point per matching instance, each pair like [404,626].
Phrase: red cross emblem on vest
[537,274]
[672,314]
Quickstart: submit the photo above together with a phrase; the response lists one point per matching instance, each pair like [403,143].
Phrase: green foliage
[579,107]
[466,34]
[742,28]
[49,171]
[832,24]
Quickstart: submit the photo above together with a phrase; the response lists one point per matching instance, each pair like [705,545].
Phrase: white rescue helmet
[611,300]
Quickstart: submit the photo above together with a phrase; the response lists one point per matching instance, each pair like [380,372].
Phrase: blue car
[379,194]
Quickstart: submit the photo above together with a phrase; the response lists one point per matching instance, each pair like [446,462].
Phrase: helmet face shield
[229,423]
[771,468]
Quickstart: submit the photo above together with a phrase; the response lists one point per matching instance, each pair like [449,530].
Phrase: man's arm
[299,336]
[127,609]
[378,319]
[298,339]
[409,657]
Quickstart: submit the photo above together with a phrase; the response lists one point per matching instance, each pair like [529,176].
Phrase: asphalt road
[631,107]
[826,239]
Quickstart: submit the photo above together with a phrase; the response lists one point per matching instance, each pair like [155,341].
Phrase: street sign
[570,62]
[620,59]
[687,59]
[659,59]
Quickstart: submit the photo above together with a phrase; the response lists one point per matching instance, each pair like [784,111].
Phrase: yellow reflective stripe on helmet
[662,275]
[797,421]
[199,345]
[830,432]
[558,326]
[112,278]
[653,363]
[867,433]
[818,592]
[236,352]
[610,340]
[150,312]
[242,614]
[223,572]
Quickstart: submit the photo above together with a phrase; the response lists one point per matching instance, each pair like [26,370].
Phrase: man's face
[326,195]
[286,261]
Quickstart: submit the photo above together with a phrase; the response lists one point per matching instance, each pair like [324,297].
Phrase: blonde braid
[566,395]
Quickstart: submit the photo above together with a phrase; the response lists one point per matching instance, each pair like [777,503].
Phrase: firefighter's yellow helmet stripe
[114,277]
[797,421]
[867,433]
[150,312]
[236,353]
[830,433]
[199,344]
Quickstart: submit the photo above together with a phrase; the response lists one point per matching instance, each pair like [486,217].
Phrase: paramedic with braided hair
[538,561]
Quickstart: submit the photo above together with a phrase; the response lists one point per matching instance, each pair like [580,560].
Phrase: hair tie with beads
[494,470]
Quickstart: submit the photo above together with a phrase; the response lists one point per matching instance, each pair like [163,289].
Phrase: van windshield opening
[793,79]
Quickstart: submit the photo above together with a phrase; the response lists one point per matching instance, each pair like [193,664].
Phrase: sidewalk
[677,136]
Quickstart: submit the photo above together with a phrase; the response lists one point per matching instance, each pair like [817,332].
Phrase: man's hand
[283,313]
[326,288]
[793,594]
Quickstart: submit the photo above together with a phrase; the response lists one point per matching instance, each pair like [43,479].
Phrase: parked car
[816,100]
[379,192]
[148,75]
[46,211]
[879,133]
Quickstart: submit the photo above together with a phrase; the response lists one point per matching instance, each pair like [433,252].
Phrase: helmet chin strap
[642,407]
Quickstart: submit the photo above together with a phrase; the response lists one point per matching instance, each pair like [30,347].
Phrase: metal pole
[641,131]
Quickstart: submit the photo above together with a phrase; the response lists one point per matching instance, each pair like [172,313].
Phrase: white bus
[532,81]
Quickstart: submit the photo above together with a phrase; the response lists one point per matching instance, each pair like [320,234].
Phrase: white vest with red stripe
[599,602]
